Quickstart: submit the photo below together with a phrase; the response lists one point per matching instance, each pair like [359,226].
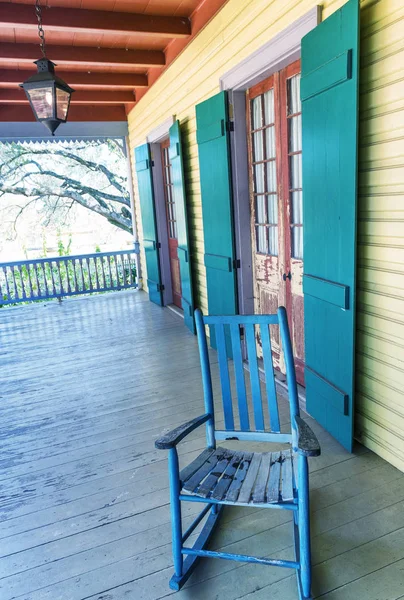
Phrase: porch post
[133,212]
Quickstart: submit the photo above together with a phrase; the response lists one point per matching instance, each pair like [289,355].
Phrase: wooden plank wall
[380,318]
[239,29]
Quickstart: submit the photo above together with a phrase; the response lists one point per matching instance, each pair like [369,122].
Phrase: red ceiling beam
[79,97]
[65,55]
[11,78]
[93,21]
[77,112]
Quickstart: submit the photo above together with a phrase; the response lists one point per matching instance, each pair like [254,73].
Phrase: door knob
[288,276]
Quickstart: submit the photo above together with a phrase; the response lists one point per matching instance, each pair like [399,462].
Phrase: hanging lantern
[48,95]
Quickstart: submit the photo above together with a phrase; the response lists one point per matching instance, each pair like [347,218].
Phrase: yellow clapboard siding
[240,28]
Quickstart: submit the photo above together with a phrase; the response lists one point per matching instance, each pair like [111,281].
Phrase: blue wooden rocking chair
[220,476]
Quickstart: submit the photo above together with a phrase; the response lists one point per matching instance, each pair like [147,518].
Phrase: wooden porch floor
[86,387]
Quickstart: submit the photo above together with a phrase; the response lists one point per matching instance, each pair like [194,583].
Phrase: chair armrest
[172,438]
[307,443]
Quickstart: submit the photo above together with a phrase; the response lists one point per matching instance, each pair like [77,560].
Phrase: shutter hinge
[160,287]
[158,244]
[230,125]
[241,332]
[152,163]
[236,263]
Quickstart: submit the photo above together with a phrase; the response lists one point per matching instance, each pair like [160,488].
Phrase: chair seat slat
[228,476]
[239,477]
[259,493]
[196,464]
[208,485]
[204,470]
[274,478]
[287,479]
[249,481]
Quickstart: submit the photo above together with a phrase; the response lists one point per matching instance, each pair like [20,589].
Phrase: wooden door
[171,223]
[274,125]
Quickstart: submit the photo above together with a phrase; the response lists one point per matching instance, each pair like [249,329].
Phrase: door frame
[154,138]
[282,50]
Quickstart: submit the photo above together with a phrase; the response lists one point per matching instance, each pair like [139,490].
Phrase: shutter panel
[150,242]
[215,173]
[329,93]
[175,152]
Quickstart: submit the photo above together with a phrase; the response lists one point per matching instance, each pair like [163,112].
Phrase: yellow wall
[380,318]
[239,29]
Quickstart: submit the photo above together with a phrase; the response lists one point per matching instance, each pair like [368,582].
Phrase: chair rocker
[220,476]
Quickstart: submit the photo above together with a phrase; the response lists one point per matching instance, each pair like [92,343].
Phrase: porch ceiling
[111,51]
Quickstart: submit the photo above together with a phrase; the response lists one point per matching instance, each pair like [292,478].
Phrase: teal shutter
[150,242]
[217,210]
[329,93]
[175,152]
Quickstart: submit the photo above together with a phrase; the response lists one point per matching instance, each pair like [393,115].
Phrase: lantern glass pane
[42,101]
[62,103]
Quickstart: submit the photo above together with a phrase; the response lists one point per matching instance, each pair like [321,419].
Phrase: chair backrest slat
[254,377]
[269,379]
[249,408]
[239,375]
[224,377]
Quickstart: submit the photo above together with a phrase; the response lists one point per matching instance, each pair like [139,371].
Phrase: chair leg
[303,519]
[175,504]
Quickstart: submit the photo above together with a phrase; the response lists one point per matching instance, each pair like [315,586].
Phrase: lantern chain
[41,33]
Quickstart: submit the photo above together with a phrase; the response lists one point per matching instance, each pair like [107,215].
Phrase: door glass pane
[258,146]
[270,142]
[294,105]
[297,207]
[295,133]
[297,242]
[271,176]
[273,240]
[272,202]
[261,235]
[269,107]
[256,113]
[296,171]
[259,186]
[260,216]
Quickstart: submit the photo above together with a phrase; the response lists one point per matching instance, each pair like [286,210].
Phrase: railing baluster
[52,278]
[31,288]
[24,295]
[116,272]
[45,280]
[131,282]
[38,286]
[103,272]
[124,278]
[16,294]
[111,282]
[66,263]
[89,273]
[7,285]
[96,273]
[74,263]
[60,278]
[82,275]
